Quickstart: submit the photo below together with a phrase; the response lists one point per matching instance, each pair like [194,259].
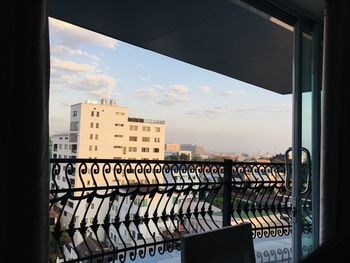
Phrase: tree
[197,158]
[184,157]
[173,157]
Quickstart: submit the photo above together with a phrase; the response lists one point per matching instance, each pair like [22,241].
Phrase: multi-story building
[172,147]
[196,149]
[105,131]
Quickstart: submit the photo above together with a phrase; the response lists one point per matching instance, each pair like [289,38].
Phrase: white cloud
[231,93]
[204,89]
[160,95]
[68,65]
[177,88]
[70,75]
[146,78]
[211,113]
[94,85]
[73,36]
[265,108]
[58,50]
[147,93]
[172,98]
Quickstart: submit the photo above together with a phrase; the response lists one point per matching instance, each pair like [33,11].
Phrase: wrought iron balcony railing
[110,210]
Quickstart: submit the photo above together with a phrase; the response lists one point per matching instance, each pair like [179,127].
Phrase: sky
[199,106]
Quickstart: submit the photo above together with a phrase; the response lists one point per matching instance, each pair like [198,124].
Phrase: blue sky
[199,106]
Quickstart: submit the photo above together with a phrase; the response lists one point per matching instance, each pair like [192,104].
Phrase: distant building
[172,147]
[196,149]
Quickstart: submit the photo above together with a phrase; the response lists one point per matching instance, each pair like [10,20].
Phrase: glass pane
[306,143]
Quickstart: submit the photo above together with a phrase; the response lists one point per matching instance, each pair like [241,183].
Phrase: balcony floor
[272,249]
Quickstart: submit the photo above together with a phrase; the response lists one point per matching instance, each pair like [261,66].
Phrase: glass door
[304,175]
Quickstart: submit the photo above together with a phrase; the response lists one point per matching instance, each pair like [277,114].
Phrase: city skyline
[199,106]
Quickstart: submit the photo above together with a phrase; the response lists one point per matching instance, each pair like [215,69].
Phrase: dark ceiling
[216,35]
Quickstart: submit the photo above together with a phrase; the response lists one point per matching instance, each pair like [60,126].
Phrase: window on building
[60,146]
[134,127]
[55,147]
[74,148]
[132,149]
[156,139]
[146,139]
[91,125]
[133,138]
[91,136]
[88,182]
[73,137]
[156,150]
[117,147]
[92,206]
[118,136]
[90,148]
[96,136]
[92,114]
[97,125]
[98,114]
[119,113]
[95,147]
[145,149]
[119,125]
[64,213]
[146,128]
[157,129]
[70,204]
[55,155]
[124,150]
[75,113]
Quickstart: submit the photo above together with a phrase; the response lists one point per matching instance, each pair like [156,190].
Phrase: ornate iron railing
[110,210]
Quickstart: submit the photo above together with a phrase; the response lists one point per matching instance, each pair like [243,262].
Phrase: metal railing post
[227,206]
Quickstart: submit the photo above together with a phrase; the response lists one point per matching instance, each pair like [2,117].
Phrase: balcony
[130,210]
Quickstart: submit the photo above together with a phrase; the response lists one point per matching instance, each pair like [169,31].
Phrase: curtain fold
[335,175]
[25,173]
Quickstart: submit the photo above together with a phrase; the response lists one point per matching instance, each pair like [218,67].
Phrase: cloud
[146,78]
[265,108]
[231,93]
[172,98]
[60,50]
[147,93]
[164,96]
[204,89]
[74,36]
[70,75]
[69,65]
[211,113]
[179,89]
